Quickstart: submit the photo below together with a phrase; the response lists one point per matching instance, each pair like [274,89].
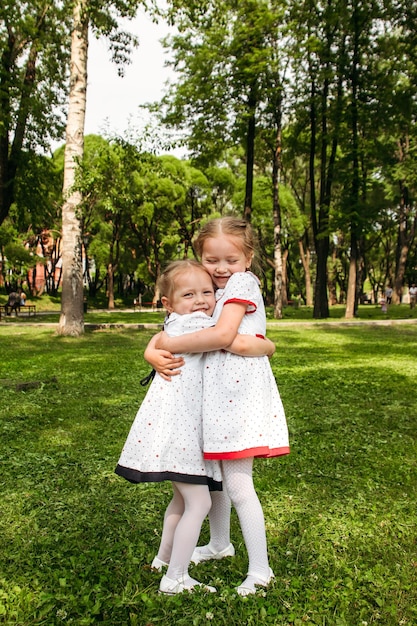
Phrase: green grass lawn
[341,509]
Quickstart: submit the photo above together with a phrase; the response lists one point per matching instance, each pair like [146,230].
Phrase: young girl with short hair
[165,440]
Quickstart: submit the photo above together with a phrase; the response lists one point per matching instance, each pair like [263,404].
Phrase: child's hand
[271,347]
[167,365]
[163,361]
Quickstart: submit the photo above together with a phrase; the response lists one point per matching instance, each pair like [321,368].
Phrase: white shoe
[171,587]
[158,564]
[252,583]
[205,553]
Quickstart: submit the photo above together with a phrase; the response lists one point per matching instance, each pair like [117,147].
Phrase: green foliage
[8,233]
[342,79]
[17,255]
[17,261]
[38,194]
[33,69]
[138,210]
[340,510]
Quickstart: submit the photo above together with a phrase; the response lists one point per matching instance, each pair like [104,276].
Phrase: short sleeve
[243,287]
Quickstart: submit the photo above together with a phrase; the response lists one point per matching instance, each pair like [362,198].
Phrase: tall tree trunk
[351,299]
[72,315]
[5,180]
[278,286]
[352,290]
[321,303]
[284,289]
[110,286]
[250,154]
[114,257]
[319,222]
[305,260]
[406,233]
[332,278]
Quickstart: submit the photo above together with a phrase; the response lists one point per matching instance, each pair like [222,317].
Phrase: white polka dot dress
[165,441]
[243,415]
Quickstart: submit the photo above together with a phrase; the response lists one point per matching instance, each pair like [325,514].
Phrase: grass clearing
[340,510]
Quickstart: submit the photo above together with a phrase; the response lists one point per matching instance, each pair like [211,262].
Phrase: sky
[111,100]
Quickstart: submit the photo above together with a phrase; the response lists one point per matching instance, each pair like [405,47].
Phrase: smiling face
[193,291]
[223,256]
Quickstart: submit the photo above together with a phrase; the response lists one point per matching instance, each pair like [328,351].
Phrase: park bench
[138,305]
[27,309]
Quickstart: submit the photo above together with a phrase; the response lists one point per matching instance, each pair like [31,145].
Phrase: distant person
[413,295]
[388,294]
[22,297]
[13,303]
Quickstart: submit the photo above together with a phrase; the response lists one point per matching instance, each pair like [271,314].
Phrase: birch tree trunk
[351,296]
[278,265]
[306,261]
[72,315]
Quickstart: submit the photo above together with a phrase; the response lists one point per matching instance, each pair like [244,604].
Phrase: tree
[221,57]
[271,118]
[138,211]
[102,20]
[71,321]
[398,142]
[324,113]
[362,20]
[364,56]
[33,68]
[231,86]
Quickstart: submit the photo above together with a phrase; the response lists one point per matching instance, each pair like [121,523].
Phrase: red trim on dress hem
[263,452]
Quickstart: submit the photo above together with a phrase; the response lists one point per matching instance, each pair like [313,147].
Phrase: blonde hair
[233,227]
[166,281]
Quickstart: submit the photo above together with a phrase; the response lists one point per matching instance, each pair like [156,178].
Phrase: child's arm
[162,361]
[167,365]
[249,345]
[214,338]
[243,345]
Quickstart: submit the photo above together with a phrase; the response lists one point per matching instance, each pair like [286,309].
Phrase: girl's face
[193,291]
[223,256]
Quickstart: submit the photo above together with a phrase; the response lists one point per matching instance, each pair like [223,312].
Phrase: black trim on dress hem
[135,476]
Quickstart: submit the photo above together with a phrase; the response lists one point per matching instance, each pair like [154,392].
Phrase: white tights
[238,489]
[182,524]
